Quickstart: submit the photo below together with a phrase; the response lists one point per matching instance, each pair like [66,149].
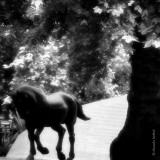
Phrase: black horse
[40,110]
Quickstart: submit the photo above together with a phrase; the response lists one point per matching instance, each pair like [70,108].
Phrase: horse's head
[17,101]
[25,100]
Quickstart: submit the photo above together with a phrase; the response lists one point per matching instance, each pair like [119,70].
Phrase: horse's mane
[35,93]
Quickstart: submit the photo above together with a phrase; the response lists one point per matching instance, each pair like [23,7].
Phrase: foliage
[41,66]
[95,90]
[8,50]
[7,139]
[13,11]
[85,58]
[17,126]
[130,21]
[6,143]
[130,14]
[84,34]
[88,29]
[119,71]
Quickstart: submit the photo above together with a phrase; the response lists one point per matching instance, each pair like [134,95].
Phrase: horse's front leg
[61,132]
[32,146]
[70,129]
[42,149]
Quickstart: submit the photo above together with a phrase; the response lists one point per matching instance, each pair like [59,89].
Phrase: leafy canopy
[89,32]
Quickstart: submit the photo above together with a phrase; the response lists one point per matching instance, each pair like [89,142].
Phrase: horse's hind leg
[70,129]
[61,132]
[42,149]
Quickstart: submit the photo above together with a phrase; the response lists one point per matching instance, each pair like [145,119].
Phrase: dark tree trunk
[140,137]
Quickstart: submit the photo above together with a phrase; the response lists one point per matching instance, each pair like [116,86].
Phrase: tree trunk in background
[140,137]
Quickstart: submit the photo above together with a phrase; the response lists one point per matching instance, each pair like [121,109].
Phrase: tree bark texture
[140,137]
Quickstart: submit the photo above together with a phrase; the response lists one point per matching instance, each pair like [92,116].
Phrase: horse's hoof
[30,157]
[61,156]
[43,150]
[69,158]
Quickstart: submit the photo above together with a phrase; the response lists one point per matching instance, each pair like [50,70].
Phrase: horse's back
[58,97]
[64,104]
[59,101]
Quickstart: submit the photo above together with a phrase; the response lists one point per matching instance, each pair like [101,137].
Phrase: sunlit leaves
[138,8]
[148,43]
[152,42]
[131,2]
[118,33]
[37,4]
[145,30]
[117,10]
[129,38]
[156,43]
[119,70]
[106,5]
[41,66]
[122,21]
[132,18]
[137,14]
[7,100]
[97,10]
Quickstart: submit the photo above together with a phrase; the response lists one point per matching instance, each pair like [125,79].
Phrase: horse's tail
[80,113]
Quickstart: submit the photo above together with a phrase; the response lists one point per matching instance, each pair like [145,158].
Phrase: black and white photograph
[79,79]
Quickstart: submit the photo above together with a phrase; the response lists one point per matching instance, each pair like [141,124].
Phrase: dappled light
[92,50]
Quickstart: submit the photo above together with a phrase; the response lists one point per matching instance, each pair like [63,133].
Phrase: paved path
[93,138]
